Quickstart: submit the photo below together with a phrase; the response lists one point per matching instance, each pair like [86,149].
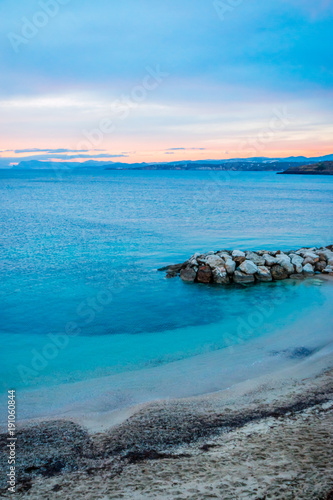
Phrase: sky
[146,81]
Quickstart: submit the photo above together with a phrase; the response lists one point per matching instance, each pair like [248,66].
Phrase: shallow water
[81,295]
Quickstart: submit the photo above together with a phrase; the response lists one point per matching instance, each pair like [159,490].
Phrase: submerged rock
[171,275]
[175,268]
[240,277]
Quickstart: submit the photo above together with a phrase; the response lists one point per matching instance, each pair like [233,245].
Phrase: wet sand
[265,438]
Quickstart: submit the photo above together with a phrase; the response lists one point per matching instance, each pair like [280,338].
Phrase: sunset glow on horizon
[267,93]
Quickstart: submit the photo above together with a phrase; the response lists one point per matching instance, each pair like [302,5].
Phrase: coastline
[283,342]
[171,440]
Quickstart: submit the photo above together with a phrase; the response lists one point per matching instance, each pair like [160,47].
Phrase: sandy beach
[269,437]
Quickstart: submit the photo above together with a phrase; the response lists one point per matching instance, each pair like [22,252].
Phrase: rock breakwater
[237,266]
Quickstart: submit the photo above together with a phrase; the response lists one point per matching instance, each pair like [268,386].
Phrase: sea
[88,324]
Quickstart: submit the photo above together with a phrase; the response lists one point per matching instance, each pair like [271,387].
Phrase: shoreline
[69,459]
[97,401]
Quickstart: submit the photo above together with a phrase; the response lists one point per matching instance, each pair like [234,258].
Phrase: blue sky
[77,74]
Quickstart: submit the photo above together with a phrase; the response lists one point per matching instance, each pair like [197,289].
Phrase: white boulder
[230,266]
[263,274]
[224,255]
[257,259]
[308,269]
[325,254]
[308,260]
[248,267]
[193,260]
[297,262]
[220,275]
[302,251]
[311,255]
[284,261]
[214,261]
[269,260]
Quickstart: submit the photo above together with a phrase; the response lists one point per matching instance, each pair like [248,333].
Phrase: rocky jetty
[237,266]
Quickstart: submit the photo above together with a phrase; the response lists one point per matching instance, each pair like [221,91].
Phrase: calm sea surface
[81,297]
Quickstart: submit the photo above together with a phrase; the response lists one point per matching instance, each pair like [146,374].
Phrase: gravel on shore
[273,442]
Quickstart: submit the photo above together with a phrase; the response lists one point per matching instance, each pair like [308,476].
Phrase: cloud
[68,156]
[53,151]
[186,149]
[73,157]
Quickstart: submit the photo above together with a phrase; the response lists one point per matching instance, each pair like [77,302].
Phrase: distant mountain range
[245,164]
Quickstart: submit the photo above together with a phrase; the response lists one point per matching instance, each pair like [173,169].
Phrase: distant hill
[320,168]
[244,164]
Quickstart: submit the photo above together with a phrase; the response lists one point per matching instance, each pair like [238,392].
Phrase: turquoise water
[81,297]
